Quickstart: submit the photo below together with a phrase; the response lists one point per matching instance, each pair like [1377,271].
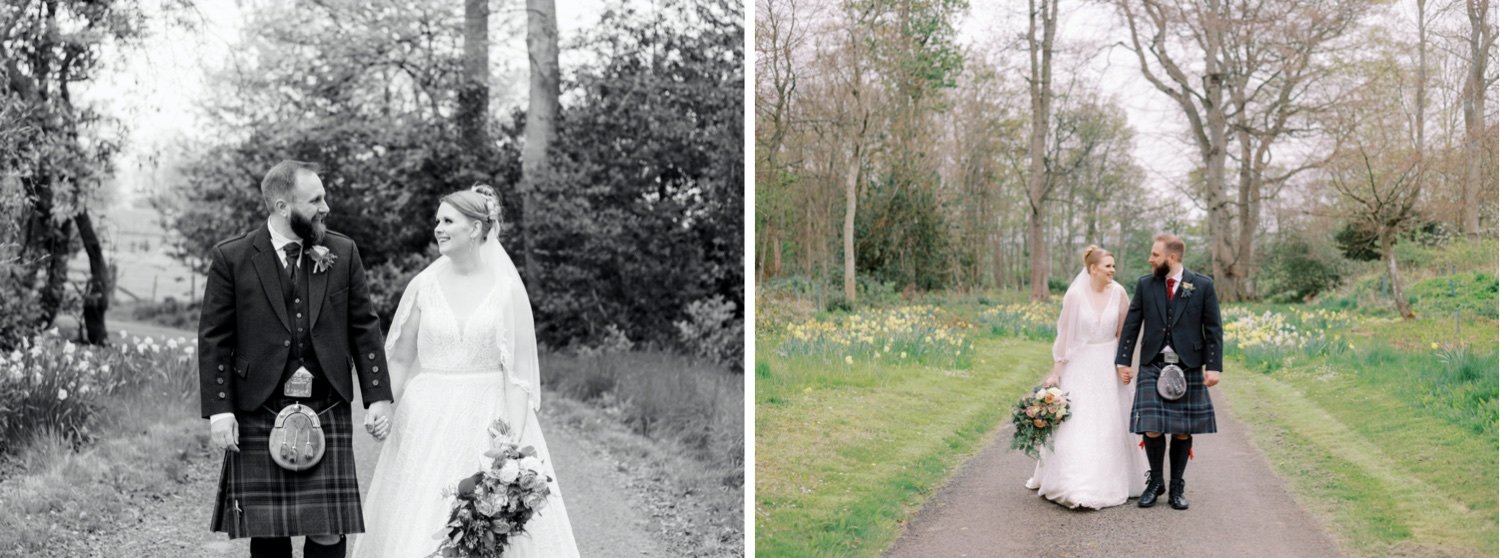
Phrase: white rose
[510,471]
[531,464]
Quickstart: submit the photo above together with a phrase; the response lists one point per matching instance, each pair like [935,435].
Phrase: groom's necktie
[1171,288]
[293,253]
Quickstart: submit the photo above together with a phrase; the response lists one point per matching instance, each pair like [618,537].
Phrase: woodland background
[895,152]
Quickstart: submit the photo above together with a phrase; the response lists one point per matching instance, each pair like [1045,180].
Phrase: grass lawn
[845,452]
[1391,478]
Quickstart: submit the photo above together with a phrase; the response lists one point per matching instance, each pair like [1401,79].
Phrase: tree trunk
[1041,106]
[1220,220]
[851,195]
[96,300]
[1481,37]
[1388,251]
[474,91]
[541,112]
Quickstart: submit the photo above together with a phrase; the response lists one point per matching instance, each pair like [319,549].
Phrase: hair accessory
[491,207]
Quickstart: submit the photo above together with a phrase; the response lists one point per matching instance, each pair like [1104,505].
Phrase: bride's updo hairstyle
[1093,255]
[477,203]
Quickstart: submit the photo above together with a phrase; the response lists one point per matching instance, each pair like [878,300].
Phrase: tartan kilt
[257,498]
[1193,413]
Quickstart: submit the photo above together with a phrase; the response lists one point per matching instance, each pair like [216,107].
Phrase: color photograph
[1125,278]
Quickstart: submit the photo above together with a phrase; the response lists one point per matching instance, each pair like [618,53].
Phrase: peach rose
[1039,423]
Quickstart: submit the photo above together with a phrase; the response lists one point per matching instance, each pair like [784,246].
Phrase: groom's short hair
[1172,244]
[279,182]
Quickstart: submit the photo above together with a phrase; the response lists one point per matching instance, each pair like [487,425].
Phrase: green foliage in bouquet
[1036,417]
[494,505]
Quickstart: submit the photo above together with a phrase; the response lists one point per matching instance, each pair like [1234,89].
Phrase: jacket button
[286,343]
[221,395]
[220,381]
[372,356]
[221,368]
[377,368]
[375,382]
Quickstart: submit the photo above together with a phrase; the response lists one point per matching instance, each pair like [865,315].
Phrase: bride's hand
[1050,381]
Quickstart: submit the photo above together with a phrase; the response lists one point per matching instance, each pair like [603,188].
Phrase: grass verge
[1391,480]
[845,453]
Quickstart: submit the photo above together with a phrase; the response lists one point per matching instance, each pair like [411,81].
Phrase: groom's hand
[1210,378]
[1125,373]
[378,420]
[224,433]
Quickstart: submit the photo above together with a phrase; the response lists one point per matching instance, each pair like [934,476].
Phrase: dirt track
[1239,508]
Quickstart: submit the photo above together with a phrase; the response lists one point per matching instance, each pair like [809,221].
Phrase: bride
[1094,460]
[462,352]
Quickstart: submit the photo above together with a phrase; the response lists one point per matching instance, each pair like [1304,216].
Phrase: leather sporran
[297,442]
[1171,384]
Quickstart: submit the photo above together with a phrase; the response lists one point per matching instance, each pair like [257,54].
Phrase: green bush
[1298,268]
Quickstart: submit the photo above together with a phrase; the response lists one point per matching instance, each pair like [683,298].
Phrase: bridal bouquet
[1036,416]
[494,504]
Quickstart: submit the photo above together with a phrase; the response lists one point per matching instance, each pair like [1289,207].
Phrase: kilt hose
[258,498]
[1193,413]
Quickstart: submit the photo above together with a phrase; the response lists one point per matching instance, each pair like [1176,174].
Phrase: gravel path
[603,504]
[1239,508]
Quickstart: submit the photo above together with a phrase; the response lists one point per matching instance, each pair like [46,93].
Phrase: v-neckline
[1089,300]
[463,328]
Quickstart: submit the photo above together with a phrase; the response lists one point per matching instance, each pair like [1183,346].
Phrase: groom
[286,315]
[1178,310]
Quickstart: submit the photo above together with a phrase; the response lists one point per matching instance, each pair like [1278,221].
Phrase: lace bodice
[1081,324]
[1099,326]
[444,344]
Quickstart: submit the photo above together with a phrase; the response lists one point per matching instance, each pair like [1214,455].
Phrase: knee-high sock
[1180,452]
[270,547]
[312,549]
[1155,448]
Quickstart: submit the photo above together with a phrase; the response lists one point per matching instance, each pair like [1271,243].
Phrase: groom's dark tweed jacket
[253,326]
[1190,320]
[246,331]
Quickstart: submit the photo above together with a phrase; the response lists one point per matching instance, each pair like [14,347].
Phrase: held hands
[224,434]
[1125,373]
[1210,378]
[378,420]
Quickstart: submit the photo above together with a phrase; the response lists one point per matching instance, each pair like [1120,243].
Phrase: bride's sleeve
[401,344]
[1124,305]
[525,366]
[1062,346]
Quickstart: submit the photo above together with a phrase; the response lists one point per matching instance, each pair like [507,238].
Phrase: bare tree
[1043,13]
[1154,26]
[780,33]
[1481,41]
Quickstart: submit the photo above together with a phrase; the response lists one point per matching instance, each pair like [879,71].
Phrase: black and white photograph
[372,278]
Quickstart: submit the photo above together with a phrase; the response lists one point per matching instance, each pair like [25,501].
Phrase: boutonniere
[322,258]
[1187,289]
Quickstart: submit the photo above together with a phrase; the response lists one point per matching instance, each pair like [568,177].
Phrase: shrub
[713,332]
[1297,269]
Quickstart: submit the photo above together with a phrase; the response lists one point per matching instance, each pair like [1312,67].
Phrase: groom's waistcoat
[303,354]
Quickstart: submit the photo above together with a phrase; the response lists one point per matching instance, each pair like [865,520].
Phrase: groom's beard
[310,229]
[1160,271]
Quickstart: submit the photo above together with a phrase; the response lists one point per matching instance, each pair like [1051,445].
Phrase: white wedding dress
[1095,461]
[457,386]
